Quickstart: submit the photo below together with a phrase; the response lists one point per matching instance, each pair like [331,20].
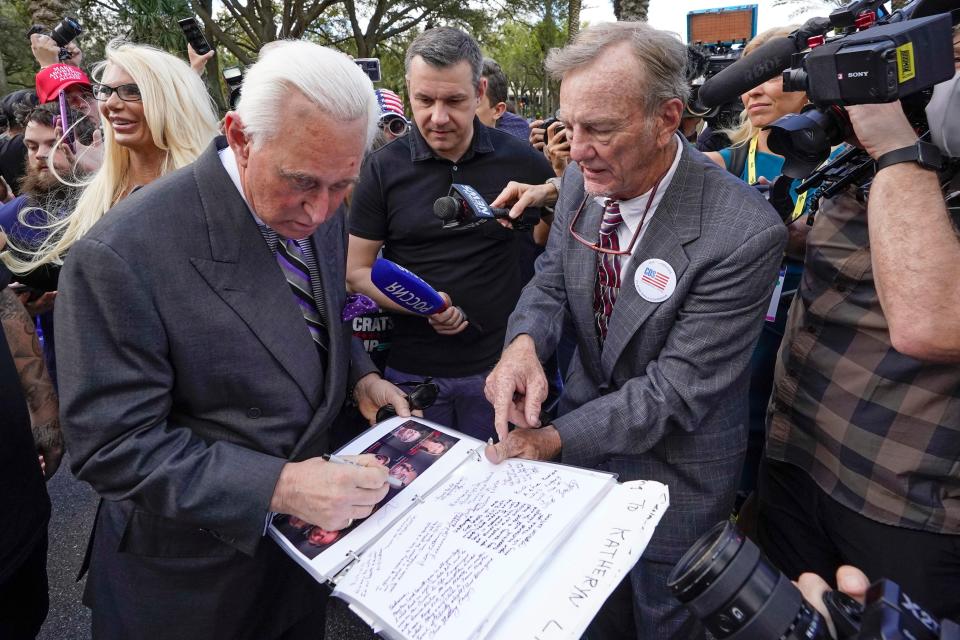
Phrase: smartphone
[20,289]
[546,127]
[191,29]
[65,121]
[370,66]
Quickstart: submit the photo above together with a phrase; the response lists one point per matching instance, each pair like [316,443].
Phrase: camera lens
[728,584]
[397,126]
[66,31]
[804,139]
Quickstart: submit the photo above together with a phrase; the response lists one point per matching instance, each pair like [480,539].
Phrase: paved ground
[74,505]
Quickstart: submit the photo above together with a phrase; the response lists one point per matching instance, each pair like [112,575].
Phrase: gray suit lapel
[244,273]
[582,277]
[675,223]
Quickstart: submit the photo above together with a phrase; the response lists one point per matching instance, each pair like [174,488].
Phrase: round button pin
[655,280]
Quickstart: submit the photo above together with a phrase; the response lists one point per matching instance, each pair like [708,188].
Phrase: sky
[671,15]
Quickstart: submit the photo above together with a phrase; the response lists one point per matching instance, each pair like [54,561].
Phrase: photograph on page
[416,452]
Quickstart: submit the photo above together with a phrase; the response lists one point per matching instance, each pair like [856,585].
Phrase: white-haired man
[203,359]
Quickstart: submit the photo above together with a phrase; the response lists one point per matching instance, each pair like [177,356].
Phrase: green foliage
[17,66]
[517,33]
[521,47]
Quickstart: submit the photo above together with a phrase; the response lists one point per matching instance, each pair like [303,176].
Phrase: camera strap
[738,160]
[752,161]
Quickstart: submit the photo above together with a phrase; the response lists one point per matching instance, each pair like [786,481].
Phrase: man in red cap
[53,79]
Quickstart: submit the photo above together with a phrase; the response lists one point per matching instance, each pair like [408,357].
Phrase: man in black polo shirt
[479,269]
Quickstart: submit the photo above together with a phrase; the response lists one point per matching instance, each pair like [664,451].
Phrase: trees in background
[518,33]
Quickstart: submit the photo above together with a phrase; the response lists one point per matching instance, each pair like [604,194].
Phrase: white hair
[327,78]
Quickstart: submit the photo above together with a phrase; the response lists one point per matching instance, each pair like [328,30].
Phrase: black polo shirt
[480,268]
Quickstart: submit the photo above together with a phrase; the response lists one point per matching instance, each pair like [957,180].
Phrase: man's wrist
[280,501]
[922,154]
[555,183]
[523,341]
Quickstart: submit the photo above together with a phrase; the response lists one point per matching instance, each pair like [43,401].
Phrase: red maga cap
[57,77]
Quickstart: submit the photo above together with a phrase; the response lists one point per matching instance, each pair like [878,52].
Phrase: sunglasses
[422,396]
[397,125]
[126,92]
[636,234]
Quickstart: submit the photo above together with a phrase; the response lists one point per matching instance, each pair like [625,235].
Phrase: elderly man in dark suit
[665,265]
[203,359]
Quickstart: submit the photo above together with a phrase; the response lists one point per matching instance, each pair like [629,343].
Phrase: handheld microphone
[408,290]
[765,62]
[464,208]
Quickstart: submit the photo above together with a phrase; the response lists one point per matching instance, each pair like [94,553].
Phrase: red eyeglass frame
[636,234]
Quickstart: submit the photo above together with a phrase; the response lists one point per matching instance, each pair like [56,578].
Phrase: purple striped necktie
[608,268]
[294,266]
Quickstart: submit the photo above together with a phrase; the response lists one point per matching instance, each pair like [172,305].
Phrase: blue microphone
[409,290]
[406,288]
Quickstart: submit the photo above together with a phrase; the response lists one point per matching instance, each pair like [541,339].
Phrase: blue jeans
[460,404]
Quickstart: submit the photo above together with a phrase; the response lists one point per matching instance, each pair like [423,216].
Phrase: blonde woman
[750,159]
[156,117]
[762,105]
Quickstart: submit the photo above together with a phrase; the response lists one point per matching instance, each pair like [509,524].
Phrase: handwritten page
[566,594]
[451,566]
[418,452]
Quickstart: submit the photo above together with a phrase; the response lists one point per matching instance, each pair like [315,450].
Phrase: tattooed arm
[41,398]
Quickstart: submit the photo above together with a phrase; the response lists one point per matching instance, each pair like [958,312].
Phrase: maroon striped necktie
[608,268]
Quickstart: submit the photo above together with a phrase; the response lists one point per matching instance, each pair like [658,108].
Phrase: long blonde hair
[745,131]
[181,118]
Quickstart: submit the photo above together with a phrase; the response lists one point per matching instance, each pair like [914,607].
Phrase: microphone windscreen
[446,208]
[765,62]
[405,288]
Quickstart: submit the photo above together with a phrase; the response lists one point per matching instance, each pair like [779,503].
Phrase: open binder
[469,549]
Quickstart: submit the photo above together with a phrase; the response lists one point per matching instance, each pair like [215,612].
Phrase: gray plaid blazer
[666,397]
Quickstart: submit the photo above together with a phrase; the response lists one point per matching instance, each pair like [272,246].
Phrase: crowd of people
[174,322]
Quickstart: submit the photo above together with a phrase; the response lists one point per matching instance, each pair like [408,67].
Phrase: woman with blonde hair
[750,159]
[762,105]
[156,117]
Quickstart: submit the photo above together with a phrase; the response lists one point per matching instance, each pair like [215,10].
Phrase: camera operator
[863,441]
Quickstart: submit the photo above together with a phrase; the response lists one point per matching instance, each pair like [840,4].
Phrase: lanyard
[752,175]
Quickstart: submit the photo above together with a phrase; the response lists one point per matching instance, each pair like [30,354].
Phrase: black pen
[396,483]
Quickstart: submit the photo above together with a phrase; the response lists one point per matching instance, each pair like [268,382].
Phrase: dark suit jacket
[666,398]
[188,379]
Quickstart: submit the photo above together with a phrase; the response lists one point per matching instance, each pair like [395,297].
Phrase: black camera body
[233,76]
[727,582]
[63,34]
[880,64]
[903,58]
[717,57]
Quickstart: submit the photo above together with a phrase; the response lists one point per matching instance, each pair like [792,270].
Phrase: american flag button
[655,280]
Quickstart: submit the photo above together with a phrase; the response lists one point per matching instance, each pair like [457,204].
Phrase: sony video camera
[897,59]
[728,584]
[899,56]
[63,34]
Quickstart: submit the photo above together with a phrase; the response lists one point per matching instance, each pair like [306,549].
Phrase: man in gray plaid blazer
[665,265]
